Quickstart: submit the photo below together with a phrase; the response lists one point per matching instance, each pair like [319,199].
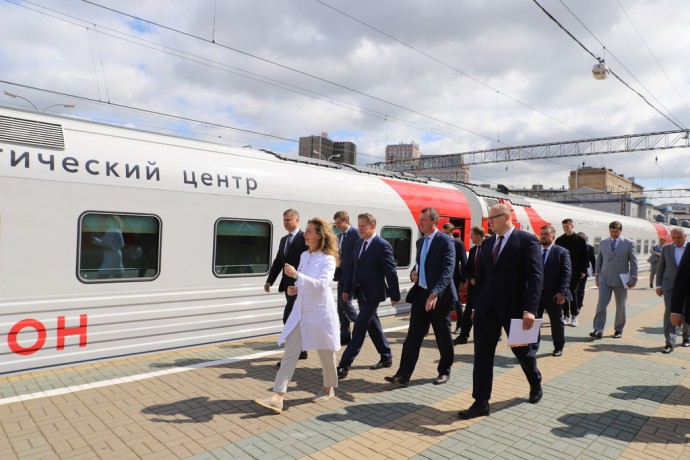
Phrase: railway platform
[603,399]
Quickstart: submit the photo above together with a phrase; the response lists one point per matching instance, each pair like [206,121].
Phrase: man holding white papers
[508,285]
[556,291]
[616,257]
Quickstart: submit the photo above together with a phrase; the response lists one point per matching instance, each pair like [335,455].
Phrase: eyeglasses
[497,215]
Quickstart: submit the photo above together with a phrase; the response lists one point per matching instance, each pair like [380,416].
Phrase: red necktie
[497,249]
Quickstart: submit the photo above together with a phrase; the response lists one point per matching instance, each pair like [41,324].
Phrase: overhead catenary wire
[599,59]
[139,41]
[620,63]
[286,67]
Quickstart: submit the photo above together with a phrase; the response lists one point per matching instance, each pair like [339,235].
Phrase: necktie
[613,245]
[364,248]
[543,256]
[422,261]
[476,259]
[287,244]
[497,249]
[341,237]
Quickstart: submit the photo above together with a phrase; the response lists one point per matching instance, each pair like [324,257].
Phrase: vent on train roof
[31,132]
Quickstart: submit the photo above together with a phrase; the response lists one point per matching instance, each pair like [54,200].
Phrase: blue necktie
[287,244]
[613,245]
[543,256]
[422,260]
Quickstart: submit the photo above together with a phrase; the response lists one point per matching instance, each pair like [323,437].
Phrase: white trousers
[293,348]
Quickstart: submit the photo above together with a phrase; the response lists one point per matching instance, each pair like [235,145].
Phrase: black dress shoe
[381,364]
[596,334]
[535,395]
[667,349]
[342,372]
[397,380]
[617,335]
[557,353]
[460,340]
[441,379]
[278,364]
[303,355]
[475,410]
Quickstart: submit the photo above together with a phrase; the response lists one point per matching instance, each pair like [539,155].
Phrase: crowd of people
[508,275]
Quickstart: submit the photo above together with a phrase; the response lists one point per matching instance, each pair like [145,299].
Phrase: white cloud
[545,89]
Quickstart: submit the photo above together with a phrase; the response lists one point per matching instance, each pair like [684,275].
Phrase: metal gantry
[596,146]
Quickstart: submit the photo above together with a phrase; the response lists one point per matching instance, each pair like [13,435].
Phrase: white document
[518,336]
[625,277]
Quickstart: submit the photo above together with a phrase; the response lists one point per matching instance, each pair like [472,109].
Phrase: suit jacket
[459,274]
[346,241]
[439,267]
[557,274]
[610,265]
[514,285]
[470,273]
[297,247]
[578,252]
[667,269]
[680,298]
[373,276]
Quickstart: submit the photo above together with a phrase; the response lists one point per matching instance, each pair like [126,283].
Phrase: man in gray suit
[616,257]
[665,275]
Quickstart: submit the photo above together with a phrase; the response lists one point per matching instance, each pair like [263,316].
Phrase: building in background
[407,157]
[323,148]
[604,180]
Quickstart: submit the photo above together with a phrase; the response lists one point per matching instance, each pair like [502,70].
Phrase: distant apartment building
[403,151]
[604,180]
[323,148]
[436,166]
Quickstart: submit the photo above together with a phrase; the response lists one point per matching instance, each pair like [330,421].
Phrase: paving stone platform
[603,399]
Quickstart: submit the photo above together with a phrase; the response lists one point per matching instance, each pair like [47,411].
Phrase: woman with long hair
[313,322]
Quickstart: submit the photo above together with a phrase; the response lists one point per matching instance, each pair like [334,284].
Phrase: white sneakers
[566,320]
[574,322]
[324,396]
[272,403]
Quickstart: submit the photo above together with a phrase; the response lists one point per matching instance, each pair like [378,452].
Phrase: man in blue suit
[371,280]
[556,291]
[508,286]
[347,239]
[434,296]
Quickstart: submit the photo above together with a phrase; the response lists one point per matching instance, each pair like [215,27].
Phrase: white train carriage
[115,241]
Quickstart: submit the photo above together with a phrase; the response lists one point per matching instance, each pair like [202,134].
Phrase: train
[117,241]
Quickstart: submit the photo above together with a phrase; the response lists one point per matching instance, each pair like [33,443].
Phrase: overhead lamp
[600,71]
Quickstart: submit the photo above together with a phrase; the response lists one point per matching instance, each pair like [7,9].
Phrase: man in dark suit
[371,280]
[577,247]
[433,300]
[290,249]
[582,282]
[556,290]
[477,236]
[680,298]
[673,280]
[347,239]
[509,284]
[459,272]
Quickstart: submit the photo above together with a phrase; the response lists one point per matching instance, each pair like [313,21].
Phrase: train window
[646,246]
[118,247]
[638,246]
[401,240]
[242,247]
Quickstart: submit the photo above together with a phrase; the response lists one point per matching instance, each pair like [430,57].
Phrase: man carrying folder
[508,285]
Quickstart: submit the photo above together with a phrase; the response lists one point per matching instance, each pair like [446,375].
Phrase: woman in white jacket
[313,322]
